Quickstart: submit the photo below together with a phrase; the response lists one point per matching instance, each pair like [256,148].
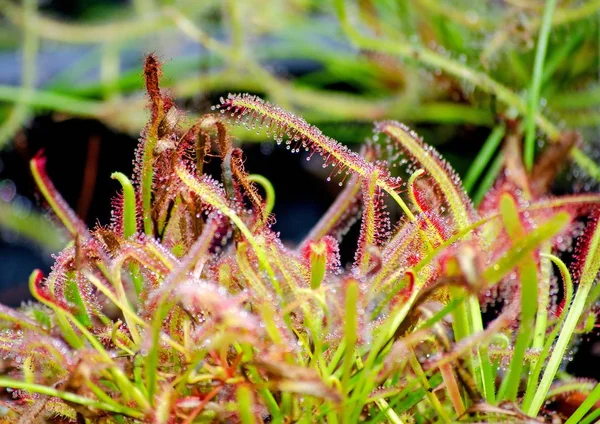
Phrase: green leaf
[529,297]
[494,273]
[73,295]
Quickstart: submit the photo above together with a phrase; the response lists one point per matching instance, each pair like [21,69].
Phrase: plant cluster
[188,307]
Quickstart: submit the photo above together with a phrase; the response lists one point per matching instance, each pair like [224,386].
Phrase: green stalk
[536,84]
[151,368]
[489,179]
[350,336]
[462,327]
[591,418]
[431,396]
[588,165]
[110,64]
[587,404]
[578,99]
[588,276]
[70,397]
[129,224]
[53,101]
[129,213]
[269,191]
[381,403]
[236,26]
[245,404]
[541,321]
[461,322]
[336,358]
[101,395]
[541,360]
[73,296]
[388,329]
[266,394]
[388,411]
[484,156]
[529,297]
[486,379]
[560,55]
[318,267]
[559,350]
[67,332]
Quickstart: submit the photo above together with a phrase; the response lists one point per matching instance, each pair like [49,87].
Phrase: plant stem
[245,404]
[350,336]
[488,179]
[124,114]
[588,276]
[129,222]
[561,54]
[529,298]
[536,84]
[129,208]
[53,101]
[236,23]
[431,396]
[537,368]
[269,191]
[486,379]
[70,397]
[110,66]
[586,163]
[587,404]
[559,350]
[484,156]
[588,98]
[541,320]
[591,418]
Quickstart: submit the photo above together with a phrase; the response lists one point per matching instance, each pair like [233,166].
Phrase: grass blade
[536,84]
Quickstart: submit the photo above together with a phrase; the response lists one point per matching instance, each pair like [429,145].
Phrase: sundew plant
[188,307]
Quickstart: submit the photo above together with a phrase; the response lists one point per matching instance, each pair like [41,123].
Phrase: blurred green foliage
[456,62]
[446,63]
